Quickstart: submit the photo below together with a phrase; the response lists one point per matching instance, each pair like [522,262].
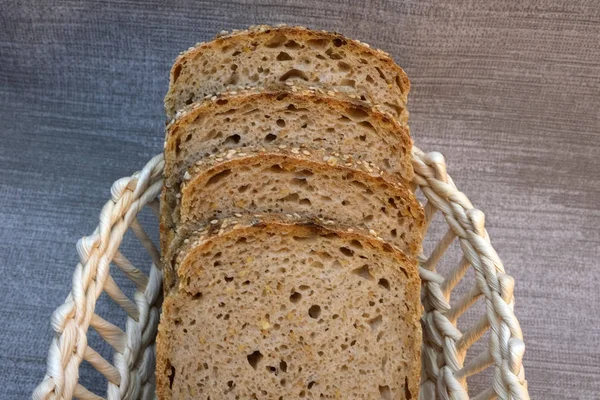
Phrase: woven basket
[447,363]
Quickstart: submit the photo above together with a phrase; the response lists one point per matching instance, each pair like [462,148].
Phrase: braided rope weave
[131,375]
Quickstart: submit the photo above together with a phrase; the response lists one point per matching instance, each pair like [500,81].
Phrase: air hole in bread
[295,297]
[176,73]
[407,393]
[190,99]
[311,384]
[344,118]
[358,114]
[375,323]
[197,296]
[399,84]
[216,178]
[305,238]
[276,168]
[347,252]
[294,73]
[317,264]
[292,44]
[337,42]
[254,359]
[222,101]
[276,41]
[394,233]
[303,126]
[320,57]
[270,137]
[368,218]
[317,43]
[236,53]
[304,202]
[291,197]
[171,374]
[233,79]
[283,56]
[384,283]
[369,79]
[271,369]
[359,184]
[356,244]
[386,163]
[280,122]
[304,173]
[232,139]
[385,392]
[394,107]
[362,138]
[343,66]
[380,72]
[363,272]
[333,55]
[367,125]
[314,311]
[348,82]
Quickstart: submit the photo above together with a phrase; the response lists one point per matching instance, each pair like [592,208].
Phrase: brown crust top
[300,32]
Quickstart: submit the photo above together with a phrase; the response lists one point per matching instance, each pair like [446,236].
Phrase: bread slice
[266,56]
[272,310]
[306,120]
[286,183]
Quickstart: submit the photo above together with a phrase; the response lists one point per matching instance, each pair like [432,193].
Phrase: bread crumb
[214,222]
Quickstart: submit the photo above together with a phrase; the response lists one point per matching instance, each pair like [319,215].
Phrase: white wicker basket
[446,366]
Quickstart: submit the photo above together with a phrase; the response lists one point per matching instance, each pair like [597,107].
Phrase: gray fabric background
[508,91]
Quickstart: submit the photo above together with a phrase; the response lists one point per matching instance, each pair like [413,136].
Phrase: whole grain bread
[305,119]
[295,56]
[266,309]
[321,188]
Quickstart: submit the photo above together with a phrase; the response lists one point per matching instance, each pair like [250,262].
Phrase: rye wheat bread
[282,182]
[273,56]
[266,309]
[303,119]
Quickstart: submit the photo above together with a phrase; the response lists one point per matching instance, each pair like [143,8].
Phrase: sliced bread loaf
[296,56]
[304,120]
[286,183]
[272,310]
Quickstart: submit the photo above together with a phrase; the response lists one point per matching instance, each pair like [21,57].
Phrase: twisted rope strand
[468,225]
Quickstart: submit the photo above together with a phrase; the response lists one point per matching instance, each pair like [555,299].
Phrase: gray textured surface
[508,91]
